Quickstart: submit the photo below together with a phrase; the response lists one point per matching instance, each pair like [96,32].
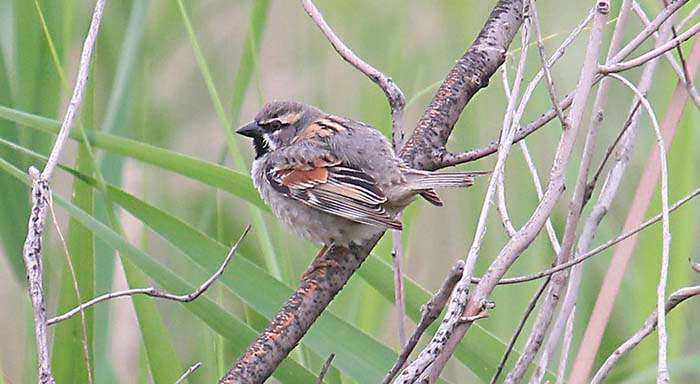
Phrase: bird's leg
[318,263]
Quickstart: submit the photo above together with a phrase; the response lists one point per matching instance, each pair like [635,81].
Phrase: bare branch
[598,249]
[426,148]
[324,368]
[680,69]
[671,44]
[649,325]
[188,372]
[689,16]
[393,93]
[450,333]
[554,291]
[662,372]
[624,251]
[430,355]
[40,197]
[430,311]
[545,65]
[154,292]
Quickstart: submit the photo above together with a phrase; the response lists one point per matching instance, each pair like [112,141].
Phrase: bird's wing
[329,186]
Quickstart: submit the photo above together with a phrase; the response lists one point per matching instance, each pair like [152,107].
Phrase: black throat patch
[261,147]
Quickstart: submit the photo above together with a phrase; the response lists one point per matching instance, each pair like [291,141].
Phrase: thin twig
[545,65]
[608,153]
[397,102]
[624,251]
[501,203]
[642,59]
[74,279]
[451,333]
[393,93]
[188,372]
[427,363]
[429,312]
[649,325]
[689,16]
[566,346]
[603,307]
[662,371]
[518,330]
[40,196]
[546,312]
[543,321]
[598,249]
[680,69]
[452,159]
[154,292]
[324,368]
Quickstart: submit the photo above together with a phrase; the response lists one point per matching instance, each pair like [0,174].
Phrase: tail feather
[425,182]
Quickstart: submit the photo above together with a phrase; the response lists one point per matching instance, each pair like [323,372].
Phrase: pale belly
[310,223]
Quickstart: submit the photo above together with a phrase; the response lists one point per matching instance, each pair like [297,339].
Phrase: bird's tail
[425,182]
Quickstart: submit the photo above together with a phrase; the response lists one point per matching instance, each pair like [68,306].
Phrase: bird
[334,180]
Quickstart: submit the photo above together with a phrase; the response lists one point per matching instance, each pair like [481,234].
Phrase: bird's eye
[274,125]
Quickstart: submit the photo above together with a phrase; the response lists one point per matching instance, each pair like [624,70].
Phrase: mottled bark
[426,147]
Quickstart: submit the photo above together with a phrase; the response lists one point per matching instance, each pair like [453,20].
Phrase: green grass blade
[217,318]
[68,361]
[236,183]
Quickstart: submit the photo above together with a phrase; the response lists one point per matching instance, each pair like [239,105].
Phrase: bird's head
[277,124]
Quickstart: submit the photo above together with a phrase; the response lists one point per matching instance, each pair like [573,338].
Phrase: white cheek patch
[271,140]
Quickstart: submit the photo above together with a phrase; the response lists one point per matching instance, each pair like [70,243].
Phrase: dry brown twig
[154,292]
[40,198]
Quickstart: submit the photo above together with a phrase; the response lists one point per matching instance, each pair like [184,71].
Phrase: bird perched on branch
[334,180]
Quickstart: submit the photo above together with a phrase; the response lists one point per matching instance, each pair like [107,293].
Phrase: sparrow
[334,180]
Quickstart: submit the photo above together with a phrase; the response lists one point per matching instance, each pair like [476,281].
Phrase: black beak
[251,129]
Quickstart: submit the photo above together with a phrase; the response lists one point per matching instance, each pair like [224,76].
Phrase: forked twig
[154,292]
[40,197]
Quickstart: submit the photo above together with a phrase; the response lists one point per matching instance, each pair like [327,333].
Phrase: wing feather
[336,189]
